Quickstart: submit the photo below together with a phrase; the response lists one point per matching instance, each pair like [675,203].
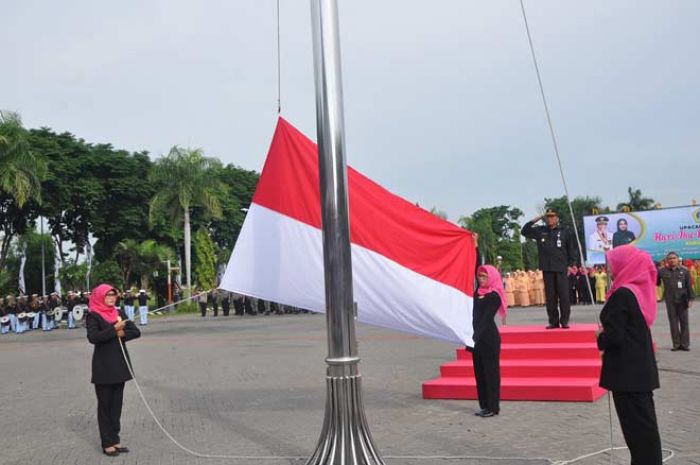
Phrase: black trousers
[109,412]
[638,421]
[488,375]
[238,306]
[556,290]
[203,308]
[678,319]
[226,306]
[215,307]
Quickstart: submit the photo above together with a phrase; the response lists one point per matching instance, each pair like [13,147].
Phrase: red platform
[536,364]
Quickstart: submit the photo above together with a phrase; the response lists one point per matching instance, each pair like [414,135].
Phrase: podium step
[534,334]
[530,368]
[537,389]
[536,364]
[560,351]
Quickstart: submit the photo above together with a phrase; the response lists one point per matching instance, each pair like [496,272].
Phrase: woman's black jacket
[108,365]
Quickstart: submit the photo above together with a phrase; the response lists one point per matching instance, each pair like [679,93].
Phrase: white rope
[172,304]
[388,457]
[555,144]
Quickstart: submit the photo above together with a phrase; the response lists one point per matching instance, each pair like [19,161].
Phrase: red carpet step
[536,364]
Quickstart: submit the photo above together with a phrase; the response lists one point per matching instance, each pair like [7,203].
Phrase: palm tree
[150,256]
[636,201]
[127,255]
[184,179]
[21,172]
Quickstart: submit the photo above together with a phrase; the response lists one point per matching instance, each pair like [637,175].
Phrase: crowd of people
[216,299]
[526,288]
[22,313]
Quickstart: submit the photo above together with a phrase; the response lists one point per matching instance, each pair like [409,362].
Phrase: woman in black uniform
[629,367]
[490,299]
[105,326]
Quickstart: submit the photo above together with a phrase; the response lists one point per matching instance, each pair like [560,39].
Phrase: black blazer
[108,365]
[483,314]
[629,364]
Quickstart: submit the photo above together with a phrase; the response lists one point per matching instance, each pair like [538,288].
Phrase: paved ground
[255,387]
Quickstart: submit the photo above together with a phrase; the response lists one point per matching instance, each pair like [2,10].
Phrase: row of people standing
[129,299]
[23,313]
[524,288]
[242,304]
[580,278]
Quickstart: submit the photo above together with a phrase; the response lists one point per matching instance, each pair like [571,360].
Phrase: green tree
[21,173]
[73,275]
[498,231]
[151,256]
[206,257]
[32,267]
[106,271]
[636,202]
[126,255]
[241,187]
[184,179]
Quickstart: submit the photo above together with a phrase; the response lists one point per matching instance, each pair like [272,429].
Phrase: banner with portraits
[654,231]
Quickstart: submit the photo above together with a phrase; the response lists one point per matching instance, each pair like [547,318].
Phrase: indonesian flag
[412,271]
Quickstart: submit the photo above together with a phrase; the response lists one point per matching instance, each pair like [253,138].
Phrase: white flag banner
[57,270]
[21,284]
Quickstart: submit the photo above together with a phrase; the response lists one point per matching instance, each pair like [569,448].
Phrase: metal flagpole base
[345,437]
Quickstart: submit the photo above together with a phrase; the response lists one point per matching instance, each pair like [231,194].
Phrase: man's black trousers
[109,412]
[556,289]
[638,421]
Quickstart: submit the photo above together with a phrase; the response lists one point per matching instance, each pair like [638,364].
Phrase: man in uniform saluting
[557,250]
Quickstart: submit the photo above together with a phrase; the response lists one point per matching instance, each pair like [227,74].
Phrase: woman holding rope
[106,327]
[629,367]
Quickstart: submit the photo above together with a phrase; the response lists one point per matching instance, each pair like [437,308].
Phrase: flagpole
[43,254]
[345,437]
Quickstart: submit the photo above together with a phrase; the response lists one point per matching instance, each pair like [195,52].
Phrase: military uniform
[678,292]
[556,248]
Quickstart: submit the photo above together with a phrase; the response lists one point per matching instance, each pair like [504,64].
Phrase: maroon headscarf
[97,303]
[494,284]
[634,269]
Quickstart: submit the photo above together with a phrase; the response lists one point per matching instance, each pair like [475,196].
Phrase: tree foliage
[21,173]
[636,201]
[499,234]
[206,260]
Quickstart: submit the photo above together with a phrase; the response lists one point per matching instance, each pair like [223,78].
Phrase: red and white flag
[412,271]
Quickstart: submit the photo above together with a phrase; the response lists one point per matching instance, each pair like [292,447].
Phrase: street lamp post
[345,438]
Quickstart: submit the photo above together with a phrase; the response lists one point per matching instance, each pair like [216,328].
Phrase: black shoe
[122,450]
[480,412]
[488,413]
[564,326]
[685,349]
[552,327]
[676,349]
[113,453]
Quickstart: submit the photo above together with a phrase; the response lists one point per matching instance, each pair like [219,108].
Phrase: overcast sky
[441,100]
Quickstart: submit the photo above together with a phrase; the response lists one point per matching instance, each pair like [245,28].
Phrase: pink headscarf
[634,269]
[97,303]
[494,284]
